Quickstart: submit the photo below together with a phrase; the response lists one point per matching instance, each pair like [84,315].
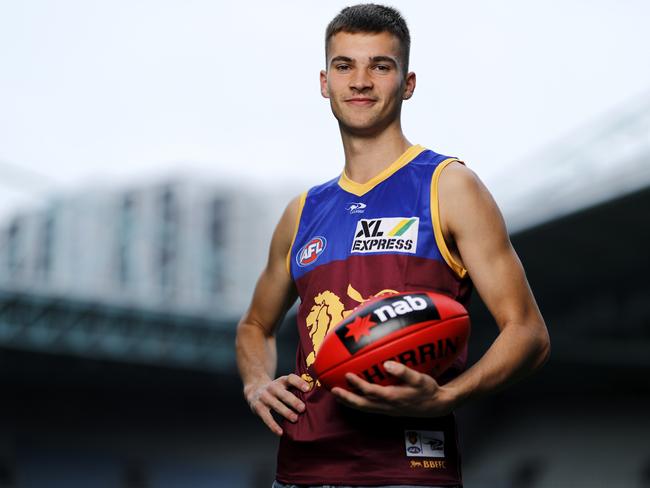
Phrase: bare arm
[256,350]
[473,224]
[477,228]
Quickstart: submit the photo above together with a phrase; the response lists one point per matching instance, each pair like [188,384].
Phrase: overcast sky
[117,91]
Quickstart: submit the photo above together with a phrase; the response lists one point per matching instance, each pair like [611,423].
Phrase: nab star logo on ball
[385,317]
[309,253]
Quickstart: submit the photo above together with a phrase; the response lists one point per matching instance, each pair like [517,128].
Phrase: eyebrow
[383,59]
[345,59]
[373,59]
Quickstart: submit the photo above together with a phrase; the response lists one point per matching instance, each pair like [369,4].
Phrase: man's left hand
[416,395]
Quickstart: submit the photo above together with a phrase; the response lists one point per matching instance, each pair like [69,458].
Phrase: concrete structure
[188,246]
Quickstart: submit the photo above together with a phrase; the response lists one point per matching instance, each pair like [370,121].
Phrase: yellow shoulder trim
[301,205]
[435,220]
[359,189]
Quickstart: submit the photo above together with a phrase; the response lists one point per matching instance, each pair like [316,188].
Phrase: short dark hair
[372,18]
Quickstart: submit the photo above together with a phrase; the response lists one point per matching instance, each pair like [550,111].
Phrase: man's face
[365,81]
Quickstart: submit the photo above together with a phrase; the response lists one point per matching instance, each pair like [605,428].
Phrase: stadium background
[118,303]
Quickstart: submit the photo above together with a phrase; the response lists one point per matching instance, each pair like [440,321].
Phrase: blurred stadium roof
[602,160]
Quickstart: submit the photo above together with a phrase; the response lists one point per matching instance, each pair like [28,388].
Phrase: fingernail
[389,366]
[301,406]
[294,418]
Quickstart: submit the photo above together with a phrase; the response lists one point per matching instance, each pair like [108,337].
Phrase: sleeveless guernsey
[352,242]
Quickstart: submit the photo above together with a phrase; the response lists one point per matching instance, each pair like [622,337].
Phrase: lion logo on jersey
[328,310]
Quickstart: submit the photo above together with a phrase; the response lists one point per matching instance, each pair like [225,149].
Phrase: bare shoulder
[466,202]
[457,179]
[290,216]
[284,231]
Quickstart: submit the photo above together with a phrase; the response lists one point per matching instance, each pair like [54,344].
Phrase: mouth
[360,101]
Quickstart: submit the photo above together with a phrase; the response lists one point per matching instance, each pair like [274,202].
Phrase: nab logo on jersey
[310,251]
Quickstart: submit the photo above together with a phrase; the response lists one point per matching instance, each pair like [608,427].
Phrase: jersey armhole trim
[301,205]
[435,220]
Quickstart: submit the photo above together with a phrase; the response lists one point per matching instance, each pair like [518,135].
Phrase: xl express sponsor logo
[397,234]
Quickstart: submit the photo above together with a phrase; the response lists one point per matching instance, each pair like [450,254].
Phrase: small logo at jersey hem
[356,207]
[309,253]
[424,443]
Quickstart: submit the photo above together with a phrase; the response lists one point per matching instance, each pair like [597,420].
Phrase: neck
[367,156]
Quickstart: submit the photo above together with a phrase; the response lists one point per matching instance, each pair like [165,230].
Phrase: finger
[355,401]
[281,408]
[404,373]
[349,398]
[297,382]
[368,389]
[267,418]
[288,398]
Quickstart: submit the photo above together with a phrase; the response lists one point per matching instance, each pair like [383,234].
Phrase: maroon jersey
[353,242]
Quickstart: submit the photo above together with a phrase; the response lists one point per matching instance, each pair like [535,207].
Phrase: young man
[361,436]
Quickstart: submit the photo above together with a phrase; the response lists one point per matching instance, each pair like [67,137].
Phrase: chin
[362,127]
[365,130]
[362,124]
[356,123]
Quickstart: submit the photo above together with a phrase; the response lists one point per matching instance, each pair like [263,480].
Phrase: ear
[323,84]
[409,86]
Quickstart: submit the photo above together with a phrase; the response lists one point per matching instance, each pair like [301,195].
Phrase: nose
[360,80]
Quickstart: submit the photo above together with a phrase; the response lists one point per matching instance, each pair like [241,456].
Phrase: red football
[424,330]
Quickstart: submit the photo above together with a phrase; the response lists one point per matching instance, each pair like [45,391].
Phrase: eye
[381,67]
[342,67]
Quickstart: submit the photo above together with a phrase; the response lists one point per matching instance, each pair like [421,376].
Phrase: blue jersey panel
[393,217]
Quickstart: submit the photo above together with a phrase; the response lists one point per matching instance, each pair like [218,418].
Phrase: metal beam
[70,327]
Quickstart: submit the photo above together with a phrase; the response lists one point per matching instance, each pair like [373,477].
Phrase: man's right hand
[274,294]
[275,395]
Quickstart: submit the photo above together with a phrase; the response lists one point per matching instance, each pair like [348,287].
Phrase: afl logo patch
[309,253]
